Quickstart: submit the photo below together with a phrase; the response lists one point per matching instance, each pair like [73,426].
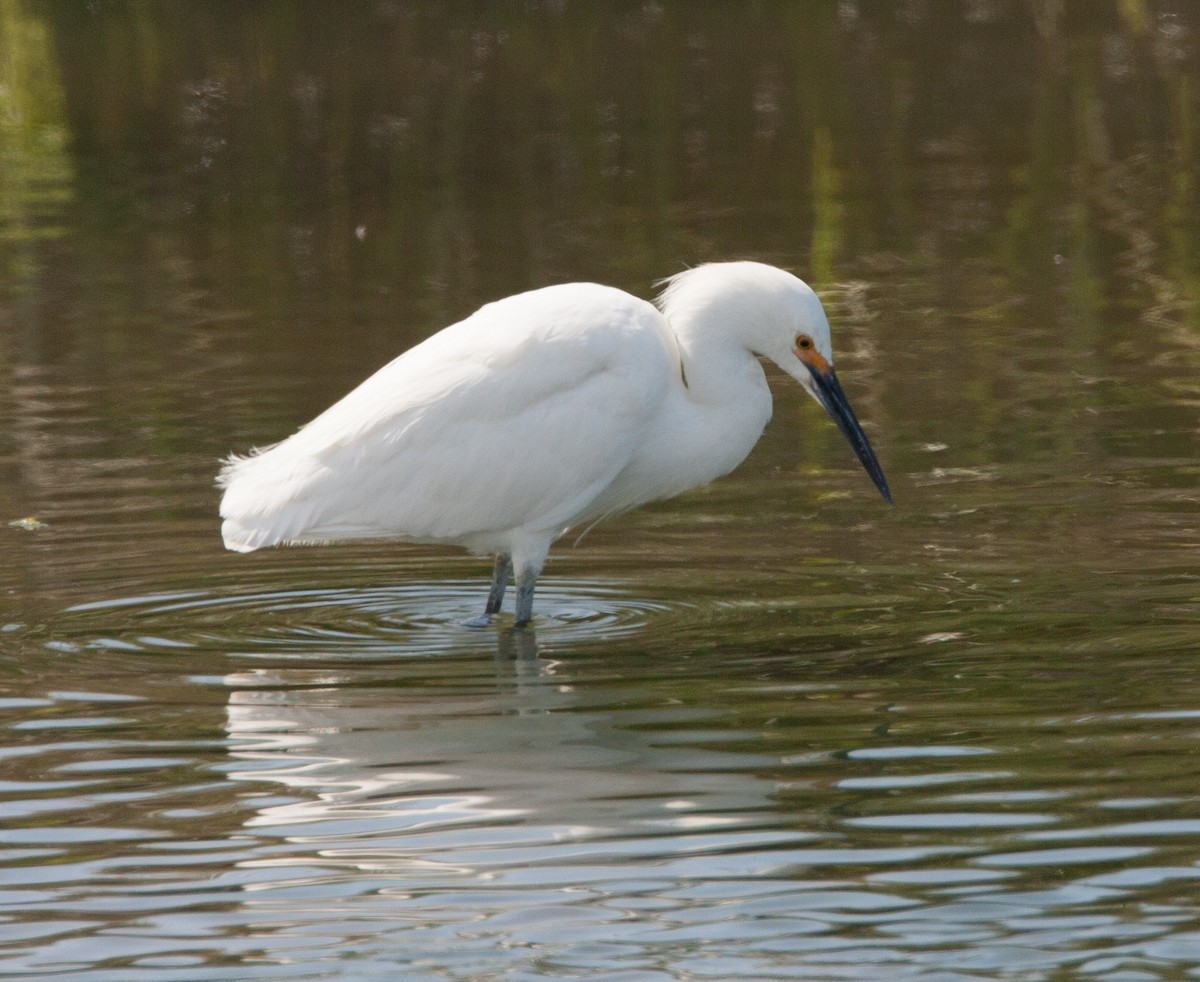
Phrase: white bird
[544,411]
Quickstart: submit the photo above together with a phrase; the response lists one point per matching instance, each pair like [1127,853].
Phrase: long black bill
[829,390]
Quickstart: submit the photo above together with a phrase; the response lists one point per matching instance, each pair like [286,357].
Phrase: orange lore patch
[813,359]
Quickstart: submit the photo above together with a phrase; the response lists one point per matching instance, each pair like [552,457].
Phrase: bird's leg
[526,581]
[500,575]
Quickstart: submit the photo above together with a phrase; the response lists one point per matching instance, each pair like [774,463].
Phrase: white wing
[516,418]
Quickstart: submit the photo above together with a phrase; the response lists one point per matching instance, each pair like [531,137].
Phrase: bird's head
[777,315]
[795,335]
[803,349]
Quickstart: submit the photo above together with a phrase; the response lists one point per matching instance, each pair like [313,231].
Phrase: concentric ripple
[415,618]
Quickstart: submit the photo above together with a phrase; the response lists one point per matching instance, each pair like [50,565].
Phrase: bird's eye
[804,342]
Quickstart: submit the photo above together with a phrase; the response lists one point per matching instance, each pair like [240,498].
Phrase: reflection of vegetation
[34,168]
[827,218]
[1032,171]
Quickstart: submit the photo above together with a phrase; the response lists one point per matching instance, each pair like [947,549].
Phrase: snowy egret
[544,411]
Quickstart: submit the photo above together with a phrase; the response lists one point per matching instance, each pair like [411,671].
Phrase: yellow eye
[804,342]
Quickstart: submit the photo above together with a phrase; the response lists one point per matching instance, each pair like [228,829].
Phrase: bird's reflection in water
[432,755]
[517,644]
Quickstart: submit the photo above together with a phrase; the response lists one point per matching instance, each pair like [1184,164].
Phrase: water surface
[772,729]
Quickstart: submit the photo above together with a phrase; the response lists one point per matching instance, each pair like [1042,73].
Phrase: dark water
[769,730]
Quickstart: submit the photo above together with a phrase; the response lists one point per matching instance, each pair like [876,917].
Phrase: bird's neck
[726,402]
[719,373]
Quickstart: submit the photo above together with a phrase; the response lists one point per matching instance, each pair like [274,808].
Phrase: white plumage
[540,412]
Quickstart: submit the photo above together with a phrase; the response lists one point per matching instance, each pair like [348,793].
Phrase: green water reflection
[768,726]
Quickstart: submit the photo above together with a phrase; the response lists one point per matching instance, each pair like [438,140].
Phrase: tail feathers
[239,538]
[263,504]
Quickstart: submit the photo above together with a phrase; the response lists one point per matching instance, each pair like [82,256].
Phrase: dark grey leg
[500,574]
[526,581]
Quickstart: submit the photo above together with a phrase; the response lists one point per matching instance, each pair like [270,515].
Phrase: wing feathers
[518,417]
